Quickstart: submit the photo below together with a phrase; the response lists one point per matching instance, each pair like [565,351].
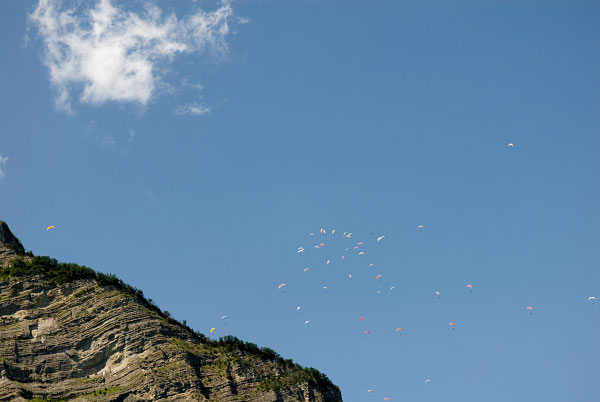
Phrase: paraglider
[350,276]
[322,231]
[325,288]
[311,234]
[349,235]
[592,299]
[50,227]
[328,262]
[361,318]
[452,325]
[427,381]
[361,253]
[530,309]
[298,308]
[399,330]
[371,265]
[370,391]
[438,294]
[211,330]
[392,288]
[420,227]
[224,317]
[306,322]
[367,332]
[380,238]
[342,257]
[281,286]
[510,145]
[470,286]
[306,269]
[333,232]
[300,250]
[379,276]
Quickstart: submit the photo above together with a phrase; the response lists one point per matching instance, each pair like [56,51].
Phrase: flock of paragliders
[359,249]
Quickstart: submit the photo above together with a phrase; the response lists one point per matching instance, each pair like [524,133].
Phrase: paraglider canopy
[50,227]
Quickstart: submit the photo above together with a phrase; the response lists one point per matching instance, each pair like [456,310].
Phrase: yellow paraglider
[211,330]
[50,227]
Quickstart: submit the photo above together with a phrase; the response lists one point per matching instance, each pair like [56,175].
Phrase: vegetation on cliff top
[58,273]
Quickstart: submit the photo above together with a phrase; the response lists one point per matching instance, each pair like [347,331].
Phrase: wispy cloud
[3,161]
[193,108]
[105,141]
[107,53]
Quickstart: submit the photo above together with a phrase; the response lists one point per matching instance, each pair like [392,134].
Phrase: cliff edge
[70,333]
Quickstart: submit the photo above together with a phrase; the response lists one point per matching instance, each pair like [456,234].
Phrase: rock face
[83,340]
[10,246]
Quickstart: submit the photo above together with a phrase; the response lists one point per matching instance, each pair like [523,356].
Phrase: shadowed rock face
[10,246]
[82,341]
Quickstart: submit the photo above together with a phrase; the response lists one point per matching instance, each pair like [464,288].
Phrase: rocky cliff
[69,333]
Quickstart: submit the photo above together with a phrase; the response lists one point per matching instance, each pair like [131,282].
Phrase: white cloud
[193,108]
[106,53]
[3,161]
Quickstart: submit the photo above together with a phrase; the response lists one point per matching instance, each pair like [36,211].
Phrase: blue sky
[198,182]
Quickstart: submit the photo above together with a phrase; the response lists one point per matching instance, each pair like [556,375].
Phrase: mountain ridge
[68,332]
